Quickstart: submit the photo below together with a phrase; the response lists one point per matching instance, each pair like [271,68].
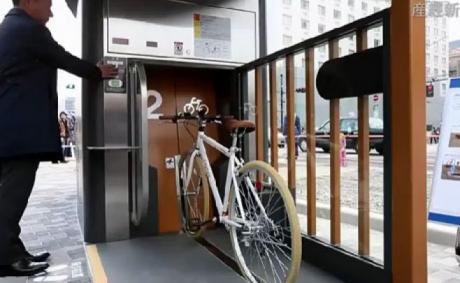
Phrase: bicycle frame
[233,166]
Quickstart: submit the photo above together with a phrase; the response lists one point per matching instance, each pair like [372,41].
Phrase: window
[287,40]
[375,123]
[321,10]
[287,2]
[351,3]
[349,125]
[351,18]
[364,6]
[304,4]
[321,28]
[436,60]
[337,14]
[325,127]
[287,20]
[436,72]
[444,61]
[304,24]
[376,42]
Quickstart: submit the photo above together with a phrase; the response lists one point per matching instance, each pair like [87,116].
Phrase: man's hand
[108,71]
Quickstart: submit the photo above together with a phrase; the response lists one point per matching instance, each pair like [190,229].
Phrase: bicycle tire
[191,225]
[295,236]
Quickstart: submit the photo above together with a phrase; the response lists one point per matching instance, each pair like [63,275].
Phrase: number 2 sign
[155,106]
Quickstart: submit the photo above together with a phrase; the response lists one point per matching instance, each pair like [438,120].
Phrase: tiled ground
[50,223]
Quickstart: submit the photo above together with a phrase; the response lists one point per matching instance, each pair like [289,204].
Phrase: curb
[437,233]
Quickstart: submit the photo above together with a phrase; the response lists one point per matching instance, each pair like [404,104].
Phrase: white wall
[66,29]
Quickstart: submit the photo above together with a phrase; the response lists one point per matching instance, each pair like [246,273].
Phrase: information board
[445,194]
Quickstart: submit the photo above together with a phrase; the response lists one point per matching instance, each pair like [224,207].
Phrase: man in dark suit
[29,132]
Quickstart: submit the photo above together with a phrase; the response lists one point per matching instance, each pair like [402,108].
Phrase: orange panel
[163,143]
[177,87]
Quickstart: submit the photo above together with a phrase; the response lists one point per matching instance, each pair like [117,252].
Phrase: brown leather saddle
[239,126]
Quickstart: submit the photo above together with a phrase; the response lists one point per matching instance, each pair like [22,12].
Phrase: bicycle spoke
[265,240]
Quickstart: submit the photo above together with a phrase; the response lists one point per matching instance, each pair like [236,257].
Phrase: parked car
[281,139]
[349,127]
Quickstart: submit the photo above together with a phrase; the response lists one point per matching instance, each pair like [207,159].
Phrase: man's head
[40,10]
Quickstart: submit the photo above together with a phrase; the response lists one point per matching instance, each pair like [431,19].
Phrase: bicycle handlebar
[182,116]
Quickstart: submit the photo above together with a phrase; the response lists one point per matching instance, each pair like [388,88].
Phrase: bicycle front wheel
[268,244]
[194,195]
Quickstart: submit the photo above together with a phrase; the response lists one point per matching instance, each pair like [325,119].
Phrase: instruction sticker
[213,36]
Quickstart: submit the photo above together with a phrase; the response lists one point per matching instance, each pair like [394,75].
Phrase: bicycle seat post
[234,140]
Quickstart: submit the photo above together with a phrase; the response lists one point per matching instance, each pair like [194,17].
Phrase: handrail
[140,196]
[337,33]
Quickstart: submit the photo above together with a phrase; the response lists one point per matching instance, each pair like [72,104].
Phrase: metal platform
[165,259]
[177,258]
[308,273]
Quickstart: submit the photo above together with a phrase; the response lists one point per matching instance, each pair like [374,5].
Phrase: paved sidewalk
[50,223]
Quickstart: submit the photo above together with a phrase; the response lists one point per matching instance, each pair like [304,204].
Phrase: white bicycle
[258,209]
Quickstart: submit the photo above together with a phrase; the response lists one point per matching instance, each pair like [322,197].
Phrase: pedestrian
[437,134]
[64,131]
[29,59]
[297,131]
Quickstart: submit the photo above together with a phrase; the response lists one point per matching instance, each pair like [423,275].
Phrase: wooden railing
[360,29]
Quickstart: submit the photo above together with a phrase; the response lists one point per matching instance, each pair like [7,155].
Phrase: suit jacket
[29,59]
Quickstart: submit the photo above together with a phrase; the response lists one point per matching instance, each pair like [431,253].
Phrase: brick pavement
[50,223]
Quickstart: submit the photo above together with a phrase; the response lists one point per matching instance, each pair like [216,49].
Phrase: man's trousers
[17,177]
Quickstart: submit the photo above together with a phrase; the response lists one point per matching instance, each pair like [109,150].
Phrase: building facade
[454,59]
[292,21]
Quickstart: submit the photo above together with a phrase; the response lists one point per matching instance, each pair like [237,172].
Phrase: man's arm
[43,46]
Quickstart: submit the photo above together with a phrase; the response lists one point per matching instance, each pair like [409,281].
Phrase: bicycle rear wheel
[194,196]
[268,247]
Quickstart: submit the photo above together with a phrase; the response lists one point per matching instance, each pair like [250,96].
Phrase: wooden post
[290,104]
[311,140]
[363,161]
[335,156]
[408,144]
[260,153]
[274,116]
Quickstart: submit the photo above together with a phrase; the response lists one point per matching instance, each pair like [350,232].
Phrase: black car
[349,127]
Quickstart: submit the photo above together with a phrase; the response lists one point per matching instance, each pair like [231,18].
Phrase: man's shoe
[23,267]
[37,257]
